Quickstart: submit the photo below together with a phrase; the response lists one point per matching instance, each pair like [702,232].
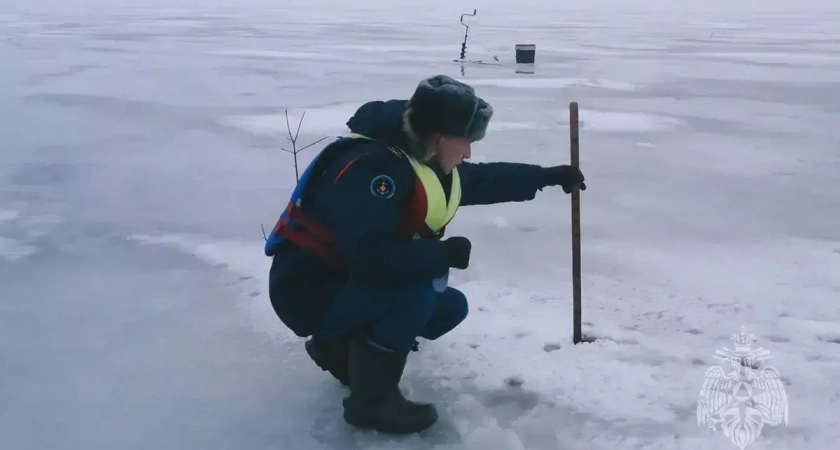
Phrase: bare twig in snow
[293,139]
[294,151]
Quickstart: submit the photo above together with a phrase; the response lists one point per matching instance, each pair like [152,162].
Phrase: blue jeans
[394,316]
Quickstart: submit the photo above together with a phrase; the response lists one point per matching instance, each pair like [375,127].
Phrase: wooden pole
[575,162]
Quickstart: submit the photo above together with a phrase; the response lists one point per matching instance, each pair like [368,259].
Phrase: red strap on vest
[311,235]
[413,220]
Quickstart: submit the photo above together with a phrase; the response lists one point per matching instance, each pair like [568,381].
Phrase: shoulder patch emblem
[382,186]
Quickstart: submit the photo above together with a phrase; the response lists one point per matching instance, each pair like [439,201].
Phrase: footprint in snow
[833,339]
[550,347]
[514,381]
[683,412]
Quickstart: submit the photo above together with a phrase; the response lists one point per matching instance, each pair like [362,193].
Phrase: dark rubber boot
[330,354]
[376,401]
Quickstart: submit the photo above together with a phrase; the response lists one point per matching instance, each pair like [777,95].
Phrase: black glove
[458,252]
[566,176]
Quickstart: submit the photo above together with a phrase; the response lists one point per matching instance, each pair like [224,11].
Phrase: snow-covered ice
[555,83]
[140,155]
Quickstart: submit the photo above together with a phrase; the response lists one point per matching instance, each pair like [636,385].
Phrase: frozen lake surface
[140,155]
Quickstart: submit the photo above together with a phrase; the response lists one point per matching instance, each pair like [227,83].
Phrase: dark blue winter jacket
[302,286]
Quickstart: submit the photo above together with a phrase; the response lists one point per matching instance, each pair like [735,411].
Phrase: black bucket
[526,53]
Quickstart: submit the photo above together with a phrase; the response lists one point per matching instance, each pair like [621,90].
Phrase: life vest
[425,216]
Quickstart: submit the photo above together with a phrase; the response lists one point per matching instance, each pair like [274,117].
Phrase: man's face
[452,151]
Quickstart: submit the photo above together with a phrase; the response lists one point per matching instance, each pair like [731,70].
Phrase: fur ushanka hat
[446,106]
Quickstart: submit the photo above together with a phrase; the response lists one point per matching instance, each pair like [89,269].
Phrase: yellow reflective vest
[429,210]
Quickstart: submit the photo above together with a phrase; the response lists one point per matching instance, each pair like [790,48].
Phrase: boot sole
[370,423]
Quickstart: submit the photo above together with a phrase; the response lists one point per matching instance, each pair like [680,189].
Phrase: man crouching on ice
[359,262]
